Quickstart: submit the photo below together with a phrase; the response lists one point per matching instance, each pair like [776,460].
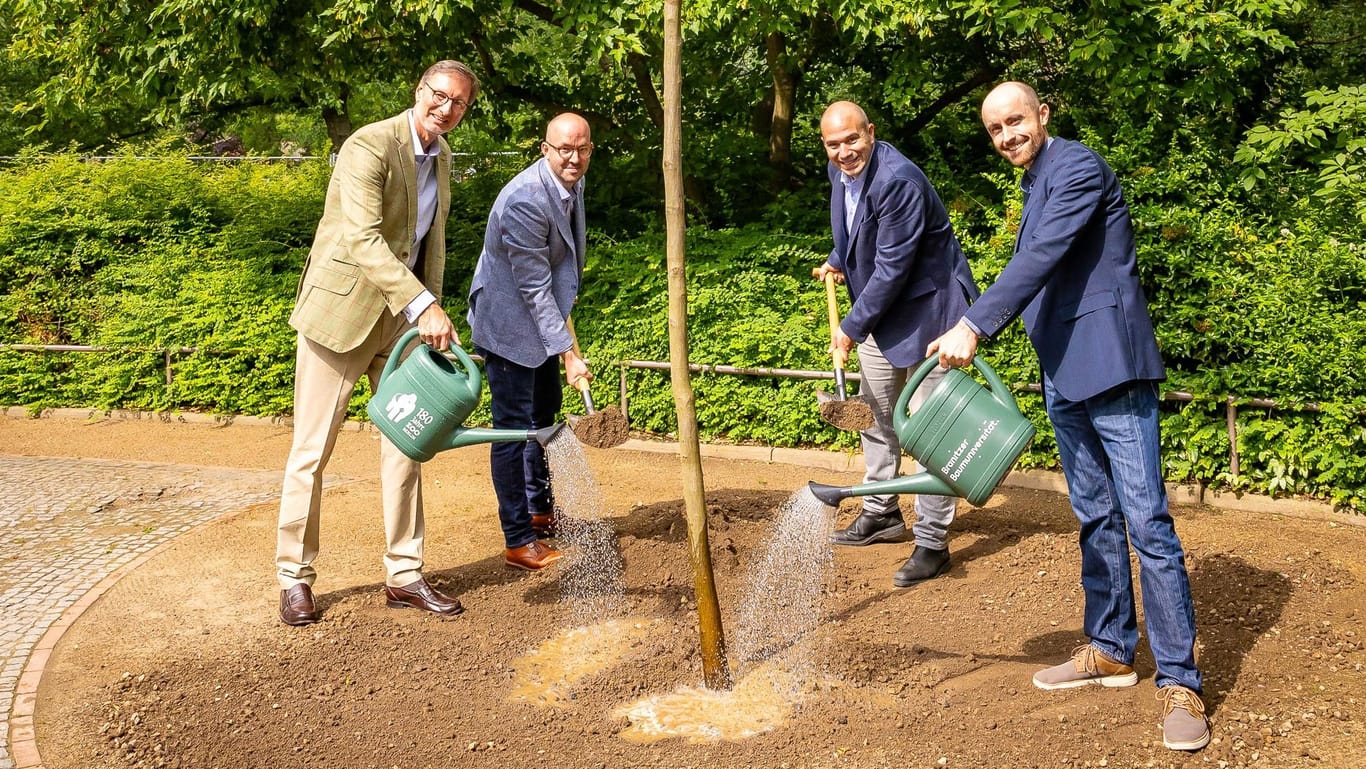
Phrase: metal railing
[1231,402]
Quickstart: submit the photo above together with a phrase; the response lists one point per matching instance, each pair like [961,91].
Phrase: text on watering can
[954,468]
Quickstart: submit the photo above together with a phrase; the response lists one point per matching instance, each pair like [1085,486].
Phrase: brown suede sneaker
[1087,666]
[1184,726]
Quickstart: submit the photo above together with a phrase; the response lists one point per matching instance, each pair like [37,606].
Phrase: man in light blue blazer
[1074,280]
[908,281]
[524,287]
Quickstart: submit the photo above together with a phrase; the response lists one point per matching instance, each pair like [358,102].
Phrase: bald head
[1016,122]
[848,137]
[567,147]
[844,113]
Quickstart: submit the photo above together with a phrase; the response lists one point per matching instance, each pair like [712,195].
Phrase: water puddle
[761,701]
[549,674]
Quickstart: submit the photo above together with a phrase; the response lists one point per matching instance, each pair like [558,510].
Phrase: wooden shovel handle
[581,383]
[833,310]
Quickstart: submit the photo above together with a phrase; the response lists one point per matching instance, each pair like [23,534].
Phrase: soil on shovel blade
[602,429]
[852,414]
[183,663]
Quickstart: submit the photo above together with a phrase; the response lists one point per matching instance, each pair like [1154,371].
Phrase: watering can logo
[421,405]
[400,406]
[965,436]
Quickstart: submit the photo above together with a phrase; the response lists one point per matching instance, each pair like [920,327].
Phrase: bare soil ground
[184,664]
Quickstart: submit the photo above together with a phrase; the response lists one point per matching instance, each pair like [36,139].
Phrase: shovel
[839,409]
[599,429]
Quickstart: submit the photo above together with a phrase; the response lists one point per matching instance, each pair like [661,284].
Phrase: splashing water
[784,601]
[591,574]
[777,668]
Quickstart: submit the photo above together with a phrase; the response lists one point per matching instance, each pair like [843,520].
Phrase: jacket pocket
[1092,302]
[333,281]
[922,287]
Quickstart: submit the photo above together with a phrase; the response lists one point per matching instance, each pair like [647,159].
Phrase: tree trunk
[715,672]
[338,120]
[785,80]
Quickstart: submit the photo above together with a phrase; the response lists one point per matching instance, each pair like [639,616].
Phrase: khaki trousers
[323,382]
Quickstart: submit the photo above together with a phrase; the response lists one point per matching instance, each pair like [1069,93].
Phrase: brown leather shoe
[297,607]
[533,556]
[420,595]
[544,524]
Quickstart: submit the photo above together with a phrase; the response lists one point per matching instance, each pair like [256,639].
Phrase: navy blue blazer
[1074,278]
[904,268]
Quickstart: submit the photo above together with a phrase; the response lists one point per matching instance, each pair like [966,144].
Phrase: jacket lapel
[407,164]
[552,192]
[869,174]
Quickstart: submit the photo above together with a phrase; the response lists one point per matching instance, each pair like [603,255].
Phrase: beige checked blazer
[358,264]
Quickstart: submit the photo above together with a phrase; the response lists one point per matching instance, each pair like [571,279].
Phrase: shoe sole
[300,623]
[1109,682]
[1195,744]
[909,582]
[402,605]
[512,565]
[885,535]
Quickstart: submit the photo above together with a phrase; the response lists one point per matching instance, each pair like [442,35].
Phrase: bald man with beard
[1074,280]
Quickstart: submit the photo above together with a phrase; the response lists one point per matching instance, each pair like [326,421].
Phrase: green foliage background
[143,255]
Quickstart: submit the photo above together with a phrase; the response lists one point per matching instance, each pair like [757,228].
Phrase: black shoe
[868,528]
[923,564]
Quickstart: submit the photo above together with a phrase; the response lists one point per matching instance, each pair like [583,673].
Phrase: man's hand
[435,328]
[840,345]
[575,367]
[956,347]
[819,272]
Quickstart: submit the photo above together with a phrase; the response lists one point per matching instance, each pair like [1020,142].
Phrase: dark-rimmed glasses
[441,99]
[566,153]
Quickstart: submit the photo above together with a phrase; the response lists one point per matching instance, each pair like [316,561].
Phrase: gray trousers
[882,385]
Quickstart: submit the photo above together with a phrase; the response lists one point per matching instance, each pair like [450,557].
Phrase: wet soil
[183,663]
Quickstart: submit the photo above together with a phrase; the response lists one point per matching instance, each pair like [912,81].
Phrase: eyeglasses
[441,99]
[566,153]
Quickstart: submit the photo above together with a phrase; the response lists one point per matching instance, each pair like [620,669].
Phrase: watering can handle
[397,353]
[471,371]
[998,388]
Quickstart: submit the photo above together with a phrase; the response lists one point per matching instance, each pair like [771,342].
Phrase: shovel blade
[854,414]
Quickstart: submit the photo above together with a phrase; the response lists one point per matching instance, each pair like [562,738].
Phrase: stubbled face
[432,120]
[566,133]
[1017,126]
[848,141]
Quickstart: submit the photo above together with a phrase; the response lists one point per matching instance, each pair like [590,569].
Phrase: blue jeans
[522,399]
[1109,448]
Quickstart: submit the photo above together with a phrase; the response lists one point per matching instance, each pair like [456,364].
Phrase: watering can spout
[545,435]
[920,483]
[469,436]
[830,495]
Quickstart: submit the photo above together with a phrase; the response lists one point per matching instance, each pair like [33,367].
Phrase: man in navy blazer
[1074,280]
[524,286]
[909,281]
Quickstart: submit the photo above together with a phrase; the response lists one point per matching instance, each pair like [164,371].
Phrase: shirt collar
[1035,168]
[418,149]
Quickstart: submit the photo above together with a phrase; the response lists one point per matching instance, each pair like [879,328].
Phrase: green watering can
[421,405]
[967,437]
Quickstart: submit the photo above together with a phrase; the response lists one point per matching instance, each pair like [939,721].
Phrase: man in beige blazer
[373,272]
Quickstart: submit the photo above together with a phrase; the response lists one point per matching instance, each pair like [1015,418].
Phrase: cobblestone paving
[66,524]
